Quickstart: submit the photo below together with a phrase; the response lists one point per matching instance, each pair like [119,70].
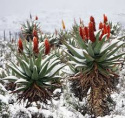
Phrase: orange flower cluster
[84,32]
[104,27]
[105,30]
[88,32]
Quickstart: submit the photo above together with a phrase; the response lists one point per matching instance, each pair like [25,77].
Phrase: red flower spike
[47,46]
[35,45]
[20,45]
[101,25]
[81,31]
[86,32]
[83,34]
[108,31]
[93,21]
[36,18]
[105,19]
[105,29]
[91,32]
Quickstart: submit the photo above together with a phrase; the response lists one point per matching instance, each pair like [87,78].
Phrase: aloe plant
[30,29]
[93,60]
[34,77]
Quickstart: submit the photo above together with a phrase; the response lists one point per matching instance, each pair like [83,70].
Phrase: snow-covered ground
[51,12]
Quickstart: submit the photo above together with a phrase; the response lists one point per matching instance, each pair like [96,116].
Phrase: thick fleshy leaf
[31,64]
[115,50]
[25,57]
[47,79]
[18,72]
[74,58]
[21,81]
[87,69]
[55,70]
[98,46]
[103,57]
[43,70]
[88,57]
[17,67]
[90,50]
[11,78]
[50,67]
[97,35]
[74,51]
[110,47]
[80,41]
[27,69]
[115,57]
[35,73]
[38,61]
[46,59]
[103,71]
[19,89]
[21,63]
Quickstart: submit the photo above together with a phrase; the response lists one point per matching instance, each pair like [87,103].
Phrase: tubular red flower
[105,19]
[105,29]
[108,31]
[47,46]
[35,45]
[86,32]
[81,32]
[93,21]
[101,25]
[20,45]
[91,32]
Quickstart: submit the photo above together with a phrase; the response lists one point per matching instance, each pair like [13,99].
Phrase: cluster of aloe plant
[90,53]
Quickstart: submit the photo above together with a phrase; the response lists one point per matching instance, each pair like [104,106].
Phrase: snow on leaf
[21,81]
[11,78]
[55,70]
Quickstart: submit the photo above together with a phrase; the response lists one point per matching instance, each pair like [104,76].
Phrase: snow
[51,13]
[3,99]
[2,87]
